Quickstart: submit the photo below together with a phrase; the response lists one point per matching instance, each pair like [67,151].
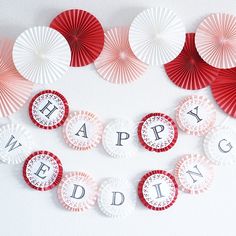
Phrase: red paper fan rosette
[188,70]
[117,63]
[42,170]
[196,115]
[216,40]
[77,191]
[84,34]
[224,91]
[194,173]
[158,190]
[48,109]
[82,130]
[157,132]
[14,89]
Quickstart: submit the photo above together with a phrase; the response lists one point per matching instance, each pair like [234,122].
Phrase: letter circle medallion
[196,115]
[16,143]
[194,173]
[77,191]
[42,170]
[48,109]
[157,132]
[158,190]
[117,197]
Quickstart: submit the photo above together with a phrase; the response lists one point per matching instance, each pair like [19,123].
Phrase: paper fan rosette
[216,40]
[158,190]
[77,191]
[16,143]
[117,63]
[224,91]
[196,115]
[157,36]
[14,89]
[157,132]
[41,55]
[82,130]
[120,138]
[188,70]
[42,170]
[116,197]
[84,34]
[220,145]
[194,173]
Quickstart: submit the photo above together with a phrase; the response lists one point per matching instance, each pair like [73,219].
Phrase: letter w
[12,144]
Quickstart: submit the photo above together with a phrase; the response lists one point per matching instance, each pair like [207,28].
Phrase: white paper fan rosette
[41,54]
[157,36]
[117,197]
[16,143]
[120,138]
[220,145]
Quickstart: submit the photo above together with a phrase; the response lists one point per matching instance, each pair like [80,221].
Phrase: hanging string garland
[150,40]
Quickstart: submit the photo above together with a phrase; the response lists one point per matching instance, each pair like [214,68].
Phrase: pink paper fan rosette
[195,115]
[216,40]
[82,130]
[14,89]
[77,191]
[117,63]
[194,173]
[224,91]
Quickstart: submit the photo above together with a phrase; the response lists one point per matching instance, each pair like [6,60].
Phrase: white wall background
[26,212]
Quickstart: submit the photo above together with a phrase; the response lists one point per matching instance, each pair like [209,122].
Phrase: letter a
[83,131]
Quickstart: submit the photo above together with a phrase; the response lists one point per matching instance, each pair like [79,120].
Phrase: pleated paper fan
[117,63]
[117,197]
[224,91]
[84,34]
[41,55]
[77,191]
[157,36]
[14,89]
[216,40]
[194,173]
[16,143]
[219,145]
[188,70]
